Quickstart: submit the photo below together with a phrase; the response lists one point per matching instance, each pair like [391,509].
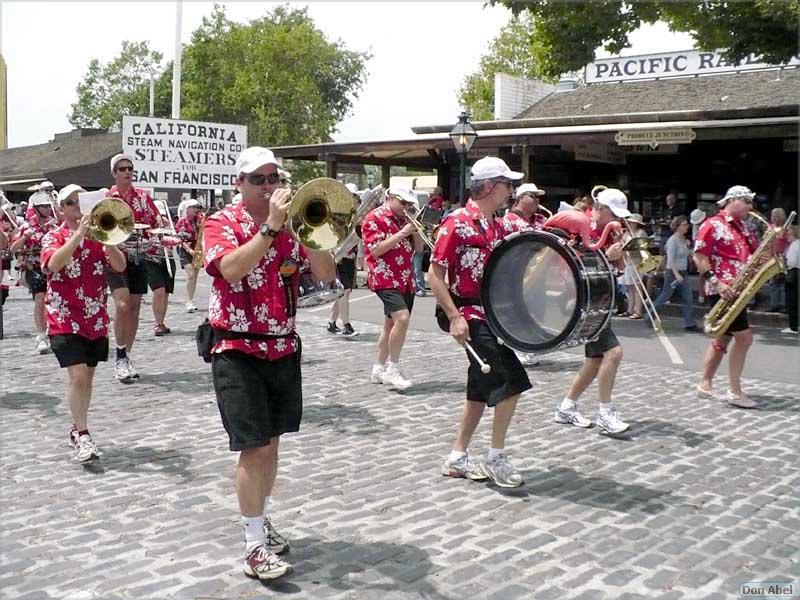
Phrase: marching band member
[254,262]
[525,206]
[465,240]
[128,287]
[187,227]
[346,273]
[28,241]
[389,244]
[77,320]
[603,356]
[721,250]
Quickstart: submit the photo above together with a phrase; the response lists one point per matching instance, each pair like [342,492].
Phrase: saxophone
[197,256]
[762,266]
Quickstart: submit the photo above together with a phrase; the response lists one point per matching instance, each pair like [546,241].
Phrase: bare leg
[191,283]
[738,353]
[160,303]
[122,316]
[712,361]
[38,313]
[344,306]
[251,479]
[133,319]
[383,341]
[79,394]
[607,374]
[502,418]
[470,417]
[334,311]
[397,337]
[584,378]
[272,465]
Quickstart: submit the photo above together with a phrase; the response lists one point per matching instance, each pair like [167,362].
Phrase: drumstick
[485,368]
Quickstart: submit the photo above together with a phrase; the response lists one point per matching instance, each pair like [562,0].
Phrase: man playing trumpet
[77,320]
[389,245]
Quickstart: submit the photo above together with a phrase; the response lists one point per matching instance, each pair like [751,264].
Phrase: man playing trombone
[255,265]
[77,320]
[390,240]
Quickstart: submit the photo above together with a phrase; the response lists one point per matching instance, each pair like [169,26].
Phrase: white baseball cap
[737,191]
[405,194]
[616,201]
[697,216]
[40,199]
[190,202]
[254,158]
[118,157]
[67,191]
[529,188]
[46,184]
[490,167]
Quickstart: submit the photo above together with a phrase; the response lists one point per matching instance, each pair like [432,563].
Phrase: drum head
[531,291]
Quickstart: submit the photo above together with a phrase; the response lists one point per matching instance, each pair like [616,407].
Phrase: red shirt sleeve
[50,243]
[372,231]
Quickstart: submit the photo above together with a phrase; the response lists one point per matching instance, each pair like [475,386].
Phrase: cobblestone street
[698,499]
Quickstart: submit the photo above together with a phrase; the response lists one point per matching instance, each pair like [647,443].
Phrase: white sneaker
[121,372]
[42,347]
[190,307]
[86,449]
[394,378]
[609,422]
[527,360]
[131,371]
[789,331]
[377,371]
[502,472]
[571,417]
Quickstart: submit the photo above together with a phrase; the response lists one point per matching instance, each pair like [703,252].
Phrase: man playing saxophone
[722,248]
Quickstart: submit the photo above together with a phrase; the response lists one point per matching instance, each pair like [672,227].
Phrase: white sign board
[170,153]
[669,64]
[601,153]
[654,137]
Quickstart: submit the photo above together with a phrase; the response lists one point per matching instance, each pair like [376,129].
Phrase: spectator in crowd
[696,218]
[675,272]
[437,200]
[792,256]
[668,212]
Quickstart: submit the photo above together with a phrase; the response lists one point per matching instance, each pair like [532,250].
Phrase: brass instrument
[12,219]
[111,222]
[372,199]
[421,229]
[545,210]
[762,266]
[197,257]
[321,214]
[638,283]
[596,190]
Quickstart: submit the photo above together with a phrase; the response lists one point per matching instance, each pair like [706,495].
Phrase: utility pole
[176,65]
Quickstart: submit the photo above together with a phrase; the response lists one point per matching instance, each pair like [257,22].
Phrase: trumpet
[111,222]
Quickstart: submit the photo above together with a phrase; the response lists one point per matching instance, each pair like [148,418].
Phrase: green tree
[511,52]
[567,34]
[278,75]
[121,87]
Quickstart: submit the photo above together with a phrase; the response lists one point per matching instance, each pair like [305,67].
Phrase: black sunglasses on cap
[259,179]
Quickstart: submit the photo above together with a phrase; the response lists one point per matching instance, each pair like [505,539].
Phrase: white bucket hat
[697,216]
[118,157]
[737,191]
[40,199]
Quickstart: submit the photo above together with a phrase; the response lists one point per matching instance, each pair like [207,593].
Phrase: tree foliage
[120,87]
[277,74]
[567,34]
[511,52]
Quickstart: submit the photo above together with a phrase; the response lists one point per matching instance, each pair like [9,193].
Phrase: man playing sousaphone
[128,287]
[465,240]
[77,320]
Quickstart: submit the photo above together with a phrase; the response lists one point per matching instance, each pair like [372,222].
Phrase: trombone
[111,222]
[639,284]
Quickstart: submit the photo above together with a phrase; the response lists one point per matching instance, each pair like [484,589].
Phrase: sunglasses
[123,169]
[70,202]
[259,179]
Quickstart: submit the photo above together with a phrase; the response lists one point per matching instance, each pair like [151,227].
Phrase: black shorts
[739,323]
[71,349]
[507,377]
[185,257]
[346,272]
[158,277]
[394,301]
[257,399]
[602,344]
[134,277]
[36,280]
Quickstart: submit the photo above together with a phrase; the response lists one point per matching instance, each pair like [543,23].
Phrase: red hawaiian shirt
[259,303]
[33,245]
[517,222]
[728,245]
[392,270]
[76,296]
[144,211]
[186,229]
[465,240]
[436,202]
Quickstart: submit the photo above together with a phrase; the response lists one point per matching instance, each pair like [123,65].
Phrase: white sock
[568,405]
[266,504]
[606,408]
[377,368]
[392,366]
[456,455]
[253,532]
[494,454]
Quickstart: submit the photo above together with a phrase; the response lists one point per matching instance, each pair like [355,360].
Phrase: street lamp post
[463,136]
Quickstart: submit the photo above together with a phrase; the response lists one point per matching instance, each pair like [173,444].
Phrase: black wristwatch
[266,231]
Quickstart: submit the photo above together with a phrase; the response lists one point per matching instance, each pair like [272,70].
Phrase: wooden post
[385,175]
[526,163]
[331,167]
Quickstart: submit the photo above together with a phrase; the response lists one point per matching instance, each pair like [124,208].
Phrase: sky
[421,53]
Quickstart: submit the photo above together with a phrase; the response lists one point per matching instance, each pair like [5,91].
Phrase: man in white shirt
[792,257]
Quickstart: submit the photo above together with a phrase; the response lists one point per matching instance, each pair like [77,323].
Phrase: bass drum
[540,294]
